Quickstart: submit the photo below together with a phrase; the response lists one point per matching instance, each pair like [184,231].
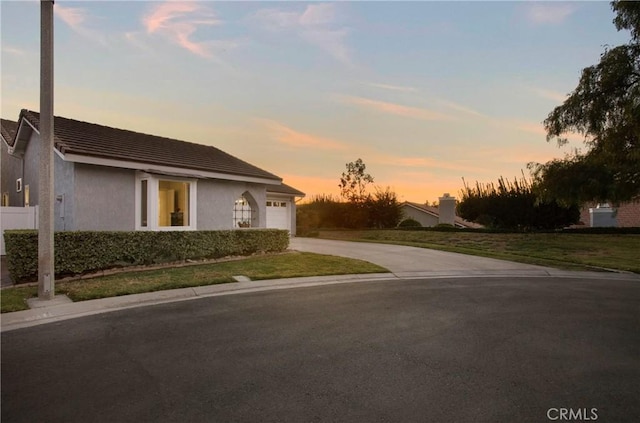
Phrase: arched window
[242,213]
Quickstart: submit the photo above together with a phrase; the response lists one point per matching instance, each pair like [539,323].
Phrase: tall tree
[353,183]
[605,109]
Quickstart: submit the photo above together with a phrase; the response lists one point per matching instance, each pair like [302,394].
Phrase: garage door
[278,214]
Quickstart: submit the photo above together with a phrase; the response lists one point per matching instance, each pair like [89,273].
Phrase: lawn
[289,265]
[563,250]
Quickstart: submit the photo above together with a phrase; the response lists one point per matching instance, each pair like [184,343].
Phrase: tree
[383,208]
[353,183]
[605,109]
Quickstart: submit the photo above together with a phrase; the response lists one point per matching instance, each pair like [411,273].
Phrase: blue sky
[424,92]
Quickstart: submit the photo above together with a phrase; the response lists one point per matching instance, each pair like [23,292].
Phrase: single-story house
[429,216]
[115,179]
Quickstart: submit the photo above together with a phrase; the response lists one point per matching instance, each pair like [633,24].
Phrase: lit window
[242,213]
[173,203]
[165,204]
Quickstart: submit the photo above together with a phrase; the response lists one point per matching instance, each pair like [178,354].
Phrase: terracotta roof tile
[90,139]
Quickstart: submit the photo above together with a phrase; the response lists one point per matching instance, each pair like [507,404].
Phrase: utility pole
[46,273]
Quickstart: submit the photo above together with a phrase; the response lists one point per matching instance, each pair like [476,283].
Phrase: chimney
[447,209]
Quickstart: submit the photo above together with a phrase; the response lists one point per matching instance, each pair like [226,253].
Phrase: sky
[425,93]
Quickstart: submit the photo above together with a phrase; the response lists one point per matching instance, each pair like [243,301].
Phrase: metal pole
[45,195]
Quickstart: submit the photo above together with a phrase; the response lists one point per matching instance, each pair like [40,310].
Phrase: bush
[513,206]
[88,251]
[380,210]
[409,223]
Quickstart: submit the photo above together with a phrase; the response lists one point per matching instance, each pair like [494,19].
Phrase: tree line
[357,208]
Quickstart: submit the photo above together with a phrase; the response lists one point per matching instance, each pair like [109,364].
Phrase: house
[624,215]
[429,216]
[120,180]
[10,164]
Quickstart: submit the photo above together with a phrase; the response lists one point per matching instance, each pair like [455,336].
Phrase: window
[27,200]
[165,204]
[5,199]
[173,203]
[143,203]
[242,213]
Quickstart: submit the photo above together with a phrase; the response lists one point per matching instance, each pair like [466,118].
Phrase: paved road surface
[438,350]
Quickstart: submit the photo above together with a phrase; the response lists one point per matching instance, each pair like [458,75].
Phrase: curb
[62,310]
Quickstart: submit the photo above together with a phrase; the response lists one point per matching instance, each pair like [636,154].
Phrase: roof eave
[200,174]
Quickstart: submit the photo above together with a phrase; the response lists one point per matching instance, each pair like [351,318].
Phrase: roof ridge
[127,130]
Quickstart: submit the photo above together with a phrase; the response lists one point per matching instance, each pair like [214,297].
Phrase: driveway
[406,261]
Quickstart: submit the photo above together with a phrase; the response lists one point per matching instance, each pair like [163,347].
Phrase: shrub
[380,210]
[89,251]
[409,223]
[514,206]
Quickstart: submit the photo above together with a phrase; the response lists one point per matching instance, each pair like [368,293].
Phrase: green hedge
[89,251]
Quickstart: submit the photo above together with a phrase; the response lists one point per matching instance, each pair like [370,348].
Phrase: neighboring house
[430,216]
[625,215]
[9,165]
[114,179]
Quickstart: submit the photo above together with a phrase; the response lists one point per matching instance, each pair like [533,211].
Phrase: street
[456,350]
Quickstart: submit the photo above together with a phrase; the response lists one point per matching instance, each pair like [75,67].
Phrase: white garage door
[278,214]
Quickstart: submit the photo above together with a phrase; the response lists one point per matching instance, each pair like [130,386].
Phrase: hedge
[81,252]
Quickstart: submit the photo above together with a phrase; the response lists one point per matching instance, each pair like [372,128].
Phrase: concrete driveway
[404,261]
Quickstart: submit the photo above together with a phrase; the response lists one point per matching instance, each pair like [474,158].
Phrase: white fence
[17,218]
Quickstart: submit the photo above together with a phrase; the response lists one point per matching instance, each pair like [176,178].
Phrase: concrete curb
[59,311]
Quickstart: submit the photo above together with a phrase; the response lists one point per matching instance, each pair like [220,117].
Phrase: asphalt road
[439,350]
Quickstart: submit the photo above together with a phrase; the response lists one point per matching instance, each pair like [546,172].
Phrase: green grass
[562,250]
[289,265]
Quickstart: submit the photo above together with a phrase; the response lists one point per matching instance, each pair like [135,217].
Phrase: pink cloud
[179,21]
[288,136]
[79,21]
[396,109]
[72,16]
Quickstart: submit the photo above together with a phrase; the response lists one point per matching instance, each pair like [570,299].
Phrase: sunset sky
[426,93]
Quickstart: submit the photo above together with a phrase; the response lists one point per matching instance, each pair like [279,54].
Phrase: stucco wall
[64,210]
[11,168]
[31,172]
[216,199]
[104,198]
[424,218]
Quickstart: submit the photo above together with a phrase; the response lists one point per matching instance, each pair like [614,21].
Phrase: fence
[17,218]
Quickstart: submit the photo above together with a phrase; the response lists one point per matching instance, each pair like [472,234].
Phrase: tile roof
[435,212]
[90,139]
[8,129]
